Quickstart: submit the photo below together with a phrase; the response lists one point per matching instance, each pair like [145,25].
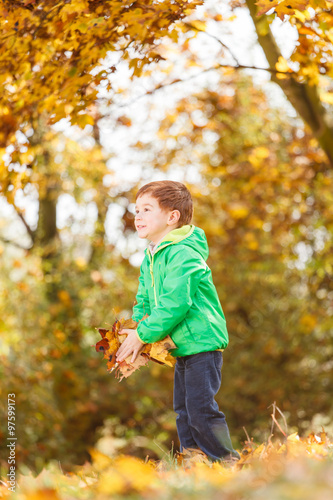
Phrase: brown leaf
[191,456]
[126,368]
[160,351]
[282,8]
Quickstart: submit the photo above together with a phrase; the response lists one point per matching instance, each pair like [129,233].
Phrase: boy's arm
[142,306]
[184,272]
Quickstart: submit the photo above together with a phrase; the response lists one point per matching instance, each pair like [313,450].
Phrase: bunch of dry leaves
[159,352]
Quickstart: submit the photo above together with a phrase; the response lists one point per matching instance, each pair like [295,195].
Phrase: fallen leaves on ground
[112,340]
[297,468]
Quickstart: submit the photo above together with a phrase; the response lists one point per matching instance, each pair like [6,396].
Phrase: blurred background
[261,181]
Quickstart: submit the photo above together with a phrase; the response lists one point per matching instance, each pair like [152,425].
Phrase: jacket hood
[189,235]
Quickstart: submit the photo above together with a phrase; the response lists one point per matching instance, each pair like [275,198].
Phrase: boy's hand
[130,345]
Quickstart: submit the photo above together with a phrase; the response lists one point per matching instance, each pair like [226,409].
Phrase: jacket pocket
[187,331]
[181,334]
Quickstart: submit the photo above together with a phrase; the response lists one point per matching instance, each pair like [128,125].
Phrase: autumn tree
[56,58]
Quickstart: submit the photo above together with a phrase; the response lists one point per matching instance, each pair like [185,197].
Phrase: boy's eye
[145,210]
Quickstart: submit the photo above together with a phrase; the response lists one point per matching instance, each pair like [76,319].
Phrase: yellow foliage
[199,25]
[261,152]
[53,49]
[43,494]
[309,321]
[216,474]
[311,72]
[250,241]
[100,461]
[64,297]
[270,464]
[81,262]
[111,482]
[258,155]
[127,474]
[238,210]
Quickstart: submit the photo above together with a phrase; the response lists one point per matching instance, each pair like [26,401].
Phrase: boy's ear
[174,217]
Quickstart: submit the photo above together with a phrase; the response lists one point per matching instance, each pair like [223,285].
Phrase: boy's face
[151,221]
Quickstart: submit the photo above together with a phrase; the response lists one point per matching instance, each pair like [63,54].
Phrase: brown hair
[171,195]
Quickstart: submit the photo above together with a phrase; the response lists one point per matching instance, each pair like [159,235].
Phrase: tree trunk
[303,97]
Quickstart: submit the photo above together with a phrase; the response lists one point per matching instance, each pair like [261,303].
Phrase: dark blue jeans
[200,424]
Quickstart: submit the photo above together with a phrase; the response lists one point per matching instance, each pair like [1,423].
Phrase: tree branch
[9,242]
[217,66]
[303,97]
[28,228]
[214,38]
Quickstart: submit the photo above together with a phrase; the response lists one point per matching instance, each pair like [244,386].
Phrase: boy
[177,292]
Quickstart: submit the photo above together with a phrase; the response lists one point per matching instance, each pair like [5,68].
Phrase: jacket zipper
[151,258]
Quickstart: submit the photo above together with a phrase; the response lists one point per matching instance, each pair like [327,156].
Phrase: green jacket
[176,290]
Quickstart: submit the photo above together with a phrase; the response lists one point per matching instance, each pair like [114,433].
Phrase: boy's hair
[171,195]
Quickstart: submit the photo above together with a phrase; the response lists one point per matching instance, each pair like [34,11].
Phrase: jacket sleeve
[185,269]
[142,307]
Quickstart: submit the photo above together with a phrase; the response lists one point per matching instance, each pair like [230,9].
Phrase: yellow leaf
[82,120]
[282,65]
[125,474]
[260,448]
[261,152]
[216,475]
[282,8]
[258,155]
[42,494]
[293,438]
[100,460]
[238,210]
[111,482]
[309,321]
[302,16]
[81,262]
[250,241]
[160,351]
[139,474]
[327,97]
[199,25]
[64,297]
